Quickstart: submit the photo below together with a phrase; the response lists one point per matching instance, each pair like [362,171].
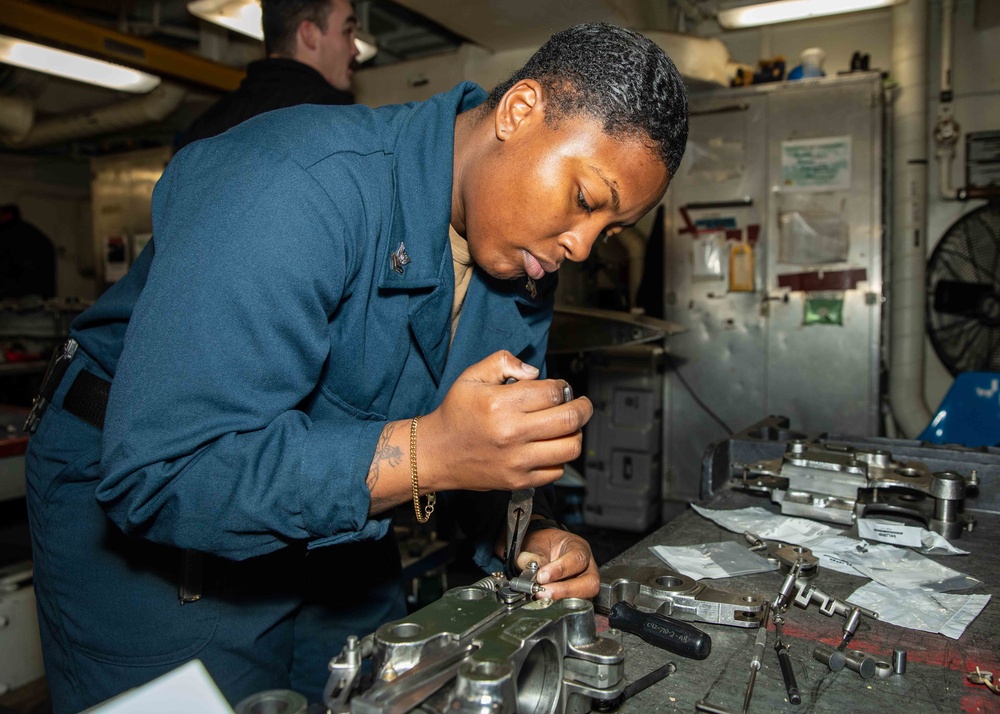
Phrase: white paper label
[888,532]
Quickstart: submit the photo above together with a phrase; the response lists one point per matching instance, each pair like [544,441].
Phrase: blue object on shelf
[969,414]
[804,72]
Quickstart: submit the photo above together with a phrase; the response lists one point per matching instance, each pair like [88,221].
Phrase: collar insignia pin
[532,290]
[398,258]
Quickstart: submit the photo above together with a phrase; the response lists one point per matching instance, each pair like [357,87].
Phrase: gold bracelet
[431,497]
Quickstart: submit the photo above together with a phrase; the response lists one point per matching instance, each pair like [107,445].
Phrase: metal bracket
[670,593]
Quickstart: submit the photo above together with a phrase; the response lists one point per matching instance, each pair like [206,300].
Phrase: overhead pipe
[909,233]
[17,115]
[947,130]
[147,109]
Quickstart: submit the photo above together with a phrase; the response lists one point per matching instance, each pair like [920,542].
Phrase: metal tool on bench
[759,643]
[519,512]
[840,483]
[668,592]
[806,591]
[785,661]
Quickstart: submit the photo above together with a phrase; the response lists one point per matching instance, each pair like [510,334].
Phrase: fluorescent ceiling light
[768,13]
[243,16]
[70,65]
[366,46]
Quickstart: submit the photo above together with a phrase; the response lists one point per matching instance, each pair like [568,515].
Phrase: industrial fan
[963,293]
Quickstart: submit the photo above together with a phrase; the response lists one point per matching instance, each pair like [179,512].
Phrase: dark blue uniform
[257,349]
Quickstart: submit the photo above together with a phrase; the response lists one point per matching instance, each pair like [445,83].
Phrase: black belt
[87,397]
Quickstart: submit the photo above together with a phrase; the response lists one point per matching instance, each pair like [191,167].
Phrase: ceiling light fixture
[244,16]
[767,13]
[70,65]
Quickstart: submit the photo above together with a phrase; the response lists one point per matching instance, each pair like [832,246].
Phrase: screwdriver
[662,631]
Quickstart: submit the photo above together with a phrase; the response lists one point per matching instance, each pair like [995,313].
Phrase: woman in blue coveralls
[322,331]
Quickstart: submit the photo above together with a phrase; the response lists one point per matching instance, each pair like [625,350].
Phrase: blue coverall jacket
[257,349]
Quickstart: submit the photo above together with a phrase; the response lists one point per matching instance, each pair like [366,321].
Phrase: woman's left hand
[565,561]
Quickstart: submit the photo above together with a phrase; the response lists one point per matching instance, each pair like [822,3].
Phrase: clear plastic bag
[948,615]
[712,560]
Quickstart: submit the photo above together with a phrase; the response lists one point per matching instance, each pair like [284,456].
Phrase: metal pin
[832,658]
[860,662]
[899,661]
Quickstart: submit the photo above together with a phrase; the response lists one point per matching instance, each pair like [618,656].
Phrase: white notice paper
[816,164]
[888,532]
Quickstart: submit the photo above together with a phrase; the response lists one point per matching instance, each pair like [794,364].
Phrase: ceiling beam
[71,33]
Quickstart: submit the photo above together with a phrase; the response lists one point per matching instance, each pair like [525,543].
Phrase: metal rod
[758,656]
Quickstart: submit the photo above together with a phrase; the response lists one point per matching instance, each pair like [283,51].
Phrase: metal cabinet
[792,172]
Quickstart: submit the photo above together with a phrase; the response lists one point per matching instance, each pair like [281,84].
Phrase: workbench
[936,665]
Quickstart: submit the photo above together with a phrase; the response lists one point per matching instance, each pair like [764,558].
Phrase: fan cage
[963,293]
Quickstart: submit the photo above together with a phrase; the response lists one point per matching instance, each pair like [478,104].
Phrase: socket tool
[664,632]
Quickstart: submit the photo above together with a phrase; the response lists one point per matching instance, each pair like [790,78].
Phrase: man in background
[310,51]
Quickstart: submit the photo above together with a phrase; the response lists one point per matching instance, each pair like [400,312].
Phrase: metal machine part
[883,670]
[667,592]
[768,439]
[786,556]
[807,592]
[485,649]
[841,483]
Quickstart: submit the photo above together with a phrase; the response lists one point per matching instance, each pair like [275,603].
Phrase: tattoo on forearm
[385,453]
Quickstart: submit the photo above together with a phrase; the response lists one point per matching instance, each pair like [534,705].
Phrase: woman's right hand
[491,435]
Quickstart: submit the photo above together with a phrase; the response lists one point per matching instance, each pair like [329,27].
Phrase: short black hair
[616,76]
[281,20]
